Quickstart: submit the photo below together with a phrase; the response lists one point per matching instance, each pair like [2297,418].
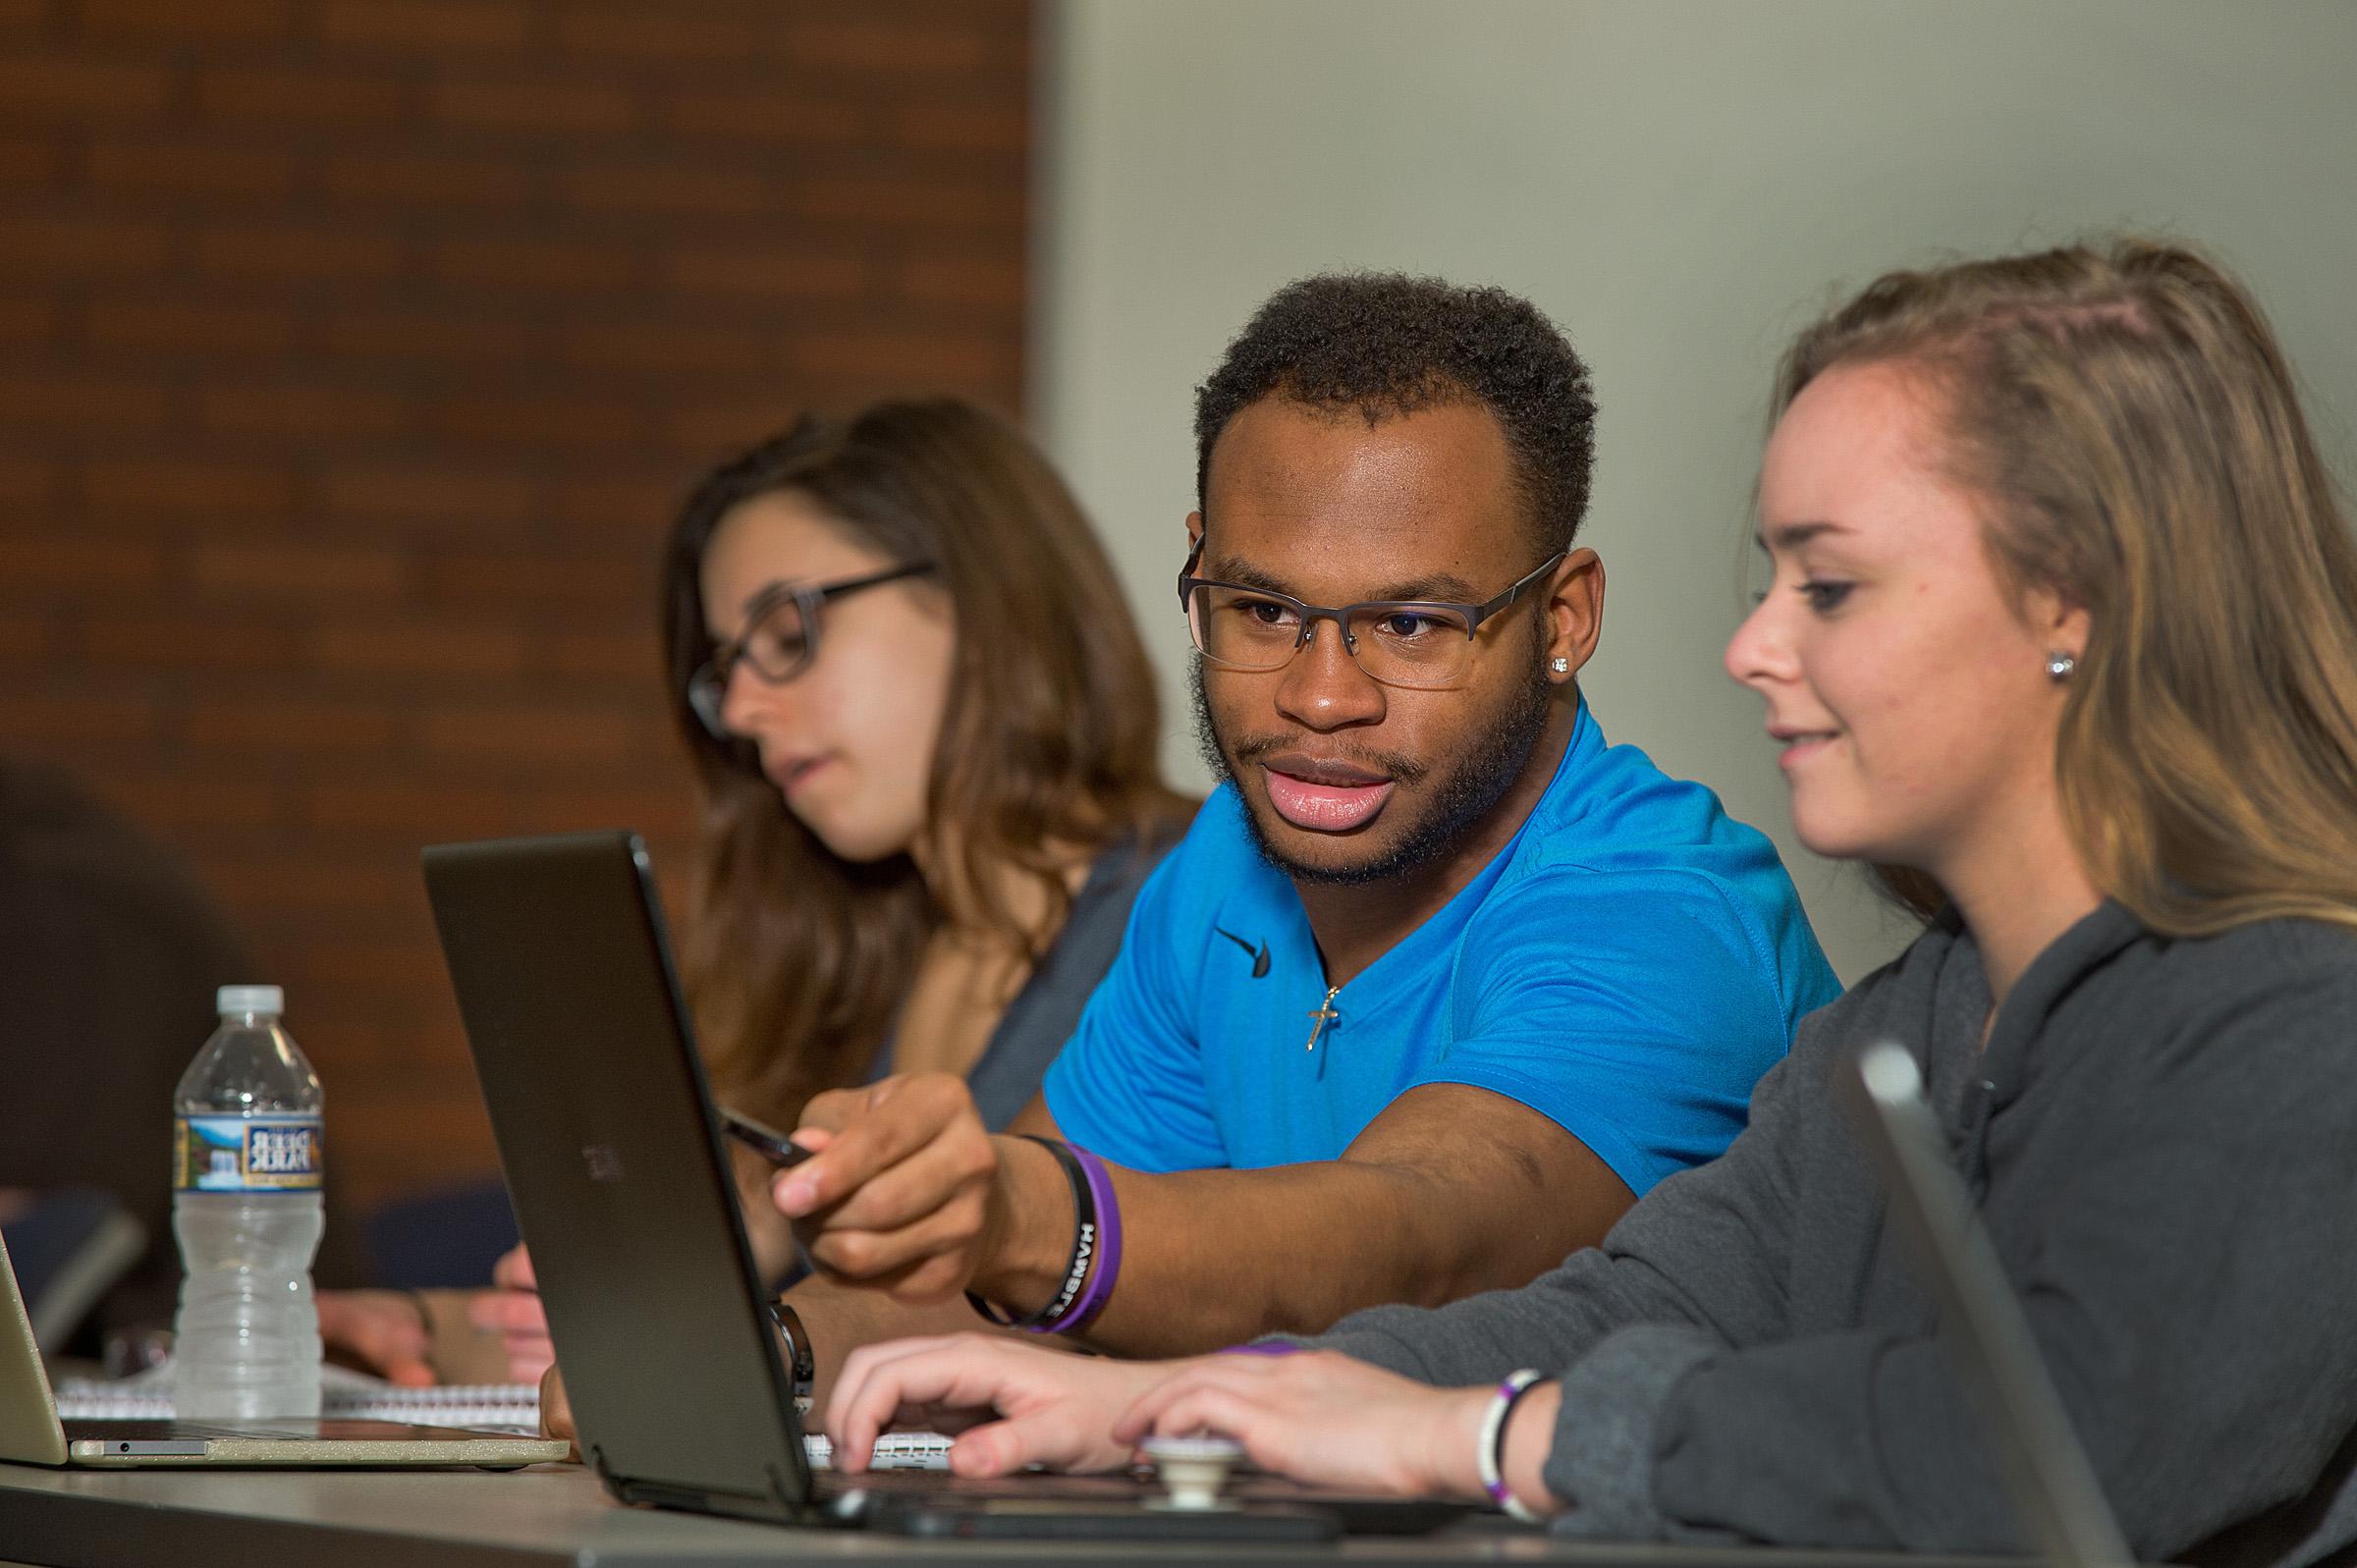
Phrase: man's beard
[1467,791]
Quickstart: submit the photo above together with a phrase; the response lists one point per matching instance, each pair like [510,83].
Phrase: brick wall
[353,356]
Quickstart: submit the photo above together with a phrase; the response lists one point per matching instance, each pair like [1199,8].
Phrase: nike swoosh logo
[1260,957]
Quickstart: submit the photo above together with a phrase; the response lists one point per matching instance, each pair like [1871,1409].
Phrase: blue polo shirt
[1627,966]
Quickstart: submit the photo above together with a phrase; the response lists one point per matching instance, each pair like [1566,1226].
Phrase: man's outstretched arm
[1449,1191]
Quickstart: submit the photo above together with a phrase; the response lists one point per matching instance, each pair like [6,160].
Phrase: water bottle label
[246,1154]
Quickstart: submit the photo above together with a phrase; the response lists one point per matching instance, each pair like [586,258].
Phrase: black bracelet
[1075,1272]
[802,1360]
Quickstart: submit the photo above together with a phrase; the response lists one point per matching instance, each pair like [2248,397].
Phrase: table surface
[558,1514]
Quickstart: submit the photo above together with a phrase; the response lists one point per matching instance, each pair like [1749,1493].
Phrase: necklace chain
[1323,1015]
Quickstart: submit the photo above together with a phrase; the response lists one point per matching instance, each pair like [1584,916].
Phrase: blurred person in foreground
[2063,632]
[925,730]
[110,954]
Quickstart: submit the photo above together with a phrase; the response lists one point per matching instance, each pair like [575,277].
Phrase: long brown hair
[2132,426]
[794,958]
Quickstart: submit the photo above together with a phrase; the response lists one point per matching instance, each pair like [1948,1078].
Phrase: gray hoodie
[2161,1139]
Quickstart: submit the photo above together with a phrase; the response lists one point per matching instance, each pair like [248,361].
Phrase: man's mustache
[1400,769]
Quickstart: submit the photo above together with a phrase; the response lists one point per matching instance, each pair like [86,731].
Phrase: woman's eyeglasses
[780,638]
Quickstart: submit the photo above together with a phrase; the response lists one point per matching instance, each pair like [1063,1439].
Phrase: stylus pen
[767,1142]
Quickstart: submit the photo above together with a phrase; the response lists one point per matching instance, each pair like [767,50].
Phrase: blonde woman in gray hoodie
[2061,640]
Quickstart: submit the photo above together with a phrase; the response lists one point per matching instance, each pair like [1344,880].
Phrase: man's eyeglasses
[1415,643]
[780,638]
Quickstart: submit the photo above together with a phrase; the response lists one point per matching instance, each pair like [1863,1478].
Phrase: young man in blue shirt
[1439,982]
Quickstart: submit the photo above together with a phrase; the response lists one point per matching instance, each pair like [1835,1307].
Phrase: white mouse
[1191,1469]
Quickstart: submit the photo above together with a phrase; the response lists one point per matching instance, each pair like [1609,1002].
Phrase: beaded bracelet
[1075,1273]
[1491,1454]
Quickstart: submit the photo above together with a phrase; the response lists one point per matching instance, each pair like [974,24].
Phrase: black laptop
[613,1155]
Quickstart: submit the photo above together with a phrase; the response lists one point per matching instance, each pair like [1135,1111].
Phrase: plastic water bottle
[246,1206]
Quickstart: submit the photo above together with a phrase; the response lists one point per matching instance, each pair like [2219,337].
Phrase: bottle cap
[249,999]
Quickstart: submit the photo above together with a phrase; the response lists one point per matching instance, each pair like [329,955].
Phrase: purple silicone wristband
[1511,1391]
[1512,1394]
[1107,1263]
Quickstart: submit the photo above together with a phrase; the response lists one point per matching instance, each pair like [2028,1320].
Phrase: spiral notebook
[503,1407]
[513,1407]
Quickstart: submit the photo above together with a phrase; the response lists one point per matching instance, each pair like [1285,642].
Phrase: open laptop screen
[1981,1321]
[605,1133]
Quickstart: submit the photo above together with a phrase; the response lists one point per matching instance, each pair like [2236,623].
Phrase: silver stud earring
[2059,666]
[1562,667]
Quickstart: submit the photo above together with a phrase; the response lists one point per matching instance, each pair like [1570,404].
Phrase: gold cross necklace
[1322,1016]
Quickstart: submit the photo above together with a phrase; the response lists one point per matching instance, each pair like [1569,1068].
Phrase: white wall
[1679,184]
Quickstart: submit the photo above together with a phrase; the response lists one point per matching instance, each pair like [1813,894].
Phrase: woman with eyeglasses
[2063,632]
[925,732]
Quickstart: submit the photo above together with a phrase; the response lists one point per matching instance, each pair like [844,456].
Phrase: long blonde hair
[2127,416]
[796,959]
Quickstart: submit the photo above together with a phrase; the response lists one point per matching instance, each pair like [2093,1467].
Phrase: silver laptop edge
[29,1426]
[1981,1321]
[31,1432]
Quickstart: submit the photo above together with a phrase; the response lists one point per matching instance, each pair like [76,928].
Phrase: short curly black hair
[1387,343]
